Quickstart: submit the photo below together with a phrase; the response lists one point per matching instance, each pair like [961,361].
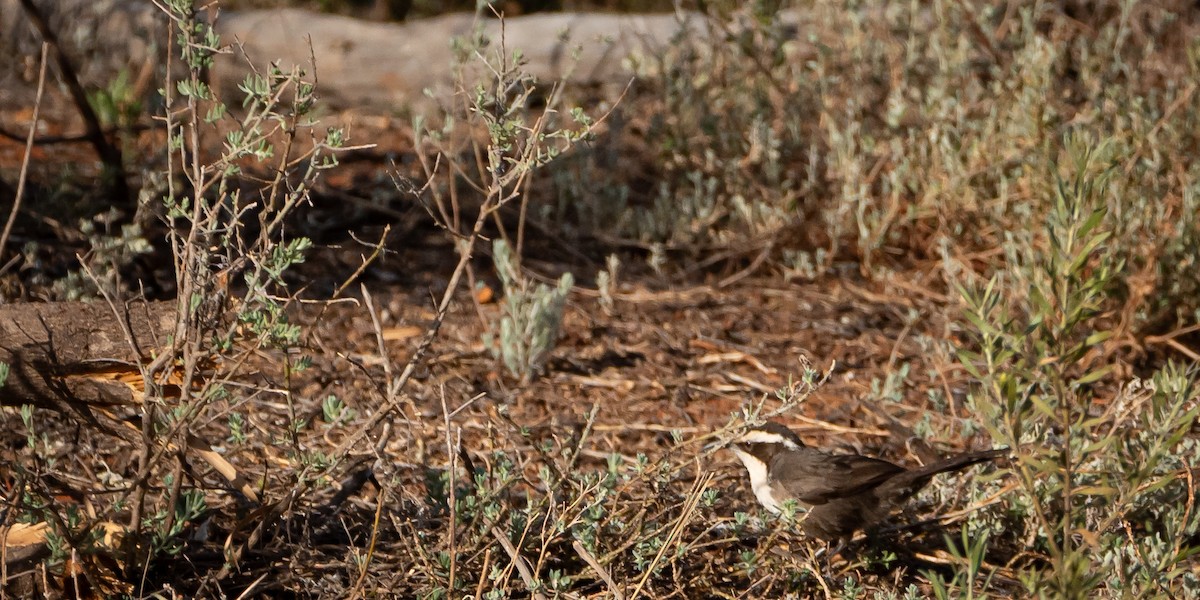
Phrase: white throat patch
[760,480]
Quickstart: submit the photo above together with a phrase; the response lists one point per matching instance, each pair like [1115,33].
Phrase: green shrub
[1099,482]
[533,315]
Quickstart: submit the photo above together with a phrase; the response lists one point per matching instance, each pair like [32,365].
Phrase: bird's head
[760,443]
[771,434]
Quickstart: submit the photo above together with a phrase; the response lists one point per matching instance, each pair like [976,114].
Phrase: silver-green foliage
[113,247]
[1098,476]
[532,316]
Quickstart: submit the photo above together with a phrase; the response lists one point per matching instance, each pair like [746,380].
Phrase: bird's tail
[956,463]
[905,485]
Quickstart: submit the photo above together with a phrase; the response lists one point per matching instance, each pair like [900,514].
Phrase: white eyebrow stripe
[764,437]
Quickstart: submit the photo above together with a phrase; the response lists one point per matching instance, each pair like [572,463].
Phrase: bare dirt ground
[674,355]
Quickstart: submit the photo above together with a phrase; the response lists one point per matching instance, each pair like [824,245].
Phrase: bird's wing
[816,477]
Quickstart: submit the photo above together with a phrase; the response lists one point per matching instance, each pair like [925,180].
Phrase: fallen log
[385,66]
[83,359]
[360,64]
[72,354]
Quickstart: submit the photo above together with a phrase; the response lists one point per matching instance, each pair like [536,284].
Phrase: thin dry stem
[24,175]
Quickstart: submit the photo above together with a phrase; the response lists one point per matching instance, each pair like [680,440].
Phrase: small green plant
[117,104]
[533,315]
[113,247]
[237,428]
[334,410]
[969,556]
[165,527]
[607,281]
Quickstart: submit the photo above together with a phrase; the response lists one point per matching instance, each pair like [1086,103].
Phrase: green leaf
[1100,444]
[1092,221]
[968,360]
[1097,338]
[1096,490]
[1039,403]
[1093,376]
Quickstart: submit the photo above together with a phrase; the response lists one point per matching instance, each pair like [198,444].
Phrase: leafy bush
[1100,483]
[229,255]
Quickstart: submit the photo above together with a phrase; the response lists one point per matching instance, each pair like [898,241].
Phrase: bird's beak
[717,445]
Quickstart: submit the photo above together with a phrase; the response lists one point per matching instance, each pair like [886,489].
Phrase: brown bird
[842,493]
